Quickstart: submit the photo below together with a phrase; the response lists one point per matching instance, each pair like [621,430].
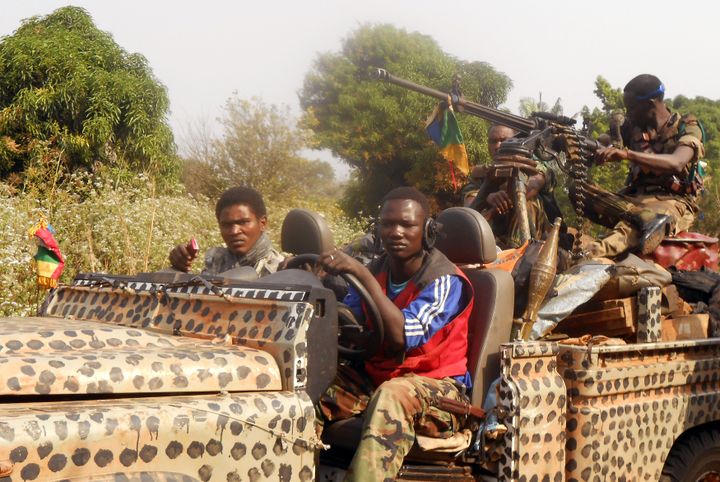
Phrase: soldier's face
[640,112]
[496,136]
[401,228]
[240,228]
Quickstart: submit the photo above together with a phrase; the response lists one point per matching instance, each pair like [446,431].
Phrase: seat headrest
[305,232]
[465,237]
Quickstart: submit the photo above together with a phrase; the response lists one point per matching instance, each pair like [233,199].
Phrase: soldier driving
[424,303]
[664,149]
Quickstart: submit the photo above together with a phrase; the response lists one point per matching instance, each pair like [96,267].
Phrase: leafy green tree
[378,128]
[611,98]
[261,146]
[597,122]
[71,97]
[708,111]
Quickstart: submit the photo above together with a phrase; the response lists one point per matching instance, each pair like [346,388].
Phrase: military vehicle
[174,377]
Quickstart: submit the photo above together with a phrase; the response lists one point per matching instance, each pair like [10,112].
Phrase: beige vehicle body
[145,381]
[135,379]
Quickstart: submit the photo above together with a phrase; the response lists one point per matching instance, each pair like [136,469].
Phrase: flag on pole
[443,129]
[48,261]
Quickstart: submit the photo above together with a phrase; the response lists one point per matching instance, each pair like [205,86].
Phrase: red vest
[445,354]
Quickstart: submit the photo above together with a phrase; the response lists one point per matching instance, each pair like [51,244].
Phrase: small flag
[48,261]
[443,129]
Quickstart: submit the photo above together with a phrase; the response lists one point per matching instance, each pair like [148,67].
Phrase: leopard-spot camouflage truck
[175,378]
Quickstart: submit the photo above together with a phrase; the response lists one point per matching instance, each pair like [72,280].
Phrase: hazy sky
[204,51]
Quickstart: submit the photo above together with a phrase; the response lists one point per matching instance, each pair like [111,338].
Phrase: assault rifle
[544,135]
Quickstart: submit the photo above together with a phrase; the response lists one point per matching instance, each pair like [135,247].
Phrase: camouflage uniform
[262,257]
[395,412]
[648,194]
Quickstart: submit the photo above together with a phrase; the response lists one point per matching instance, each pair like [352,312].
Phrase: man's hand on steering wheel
[336,262]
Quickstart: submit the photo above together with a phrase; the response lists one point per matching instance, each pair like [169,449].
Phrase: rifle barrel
[518,123]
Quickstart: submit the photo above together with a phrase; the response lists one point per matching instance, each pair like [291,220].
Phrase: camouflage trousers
[393,413]
[615,211]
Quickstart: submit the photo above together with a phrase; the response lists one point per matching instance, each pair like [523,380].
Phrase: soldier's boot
[654,231]
[653,228]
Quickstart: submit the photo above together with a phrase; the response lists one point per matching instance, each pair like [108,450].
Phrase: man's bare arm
[660,163]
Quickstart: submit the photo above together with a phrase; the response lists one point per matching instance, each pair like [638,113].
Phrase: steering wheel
[346,319]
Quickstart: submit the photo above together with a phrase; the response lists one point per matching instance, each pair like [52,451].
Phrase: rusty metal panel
[227,437]
[534,396]
[628,404]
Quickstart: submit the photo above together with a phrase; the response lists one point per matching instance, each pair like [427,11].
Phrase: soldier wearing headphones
[424,302]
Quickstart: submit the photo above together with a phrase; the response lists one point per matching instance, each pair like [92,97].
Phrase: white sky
[204,51]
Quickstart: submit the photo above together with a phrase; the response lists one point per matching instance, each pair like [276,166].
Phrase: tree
[71,97]
[261,146]
[598,120]
[528,105]
[378,128]
[708,111]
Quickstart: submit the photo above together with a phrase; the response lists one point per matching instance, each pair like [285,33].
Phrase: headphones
[430,234]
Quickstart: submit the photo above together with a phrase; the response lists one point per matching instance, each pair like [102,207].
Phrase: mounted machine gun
[544,136]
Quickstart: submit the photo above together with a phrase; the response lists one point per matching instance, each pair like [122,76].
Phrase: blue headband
[658,91]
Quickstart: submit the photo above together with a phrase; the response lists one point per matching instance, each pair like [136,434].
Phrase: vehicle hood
[55,356]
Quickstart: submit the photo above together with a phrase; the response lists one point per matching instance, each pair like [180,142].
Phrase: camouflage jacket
[678,131]
[264,260]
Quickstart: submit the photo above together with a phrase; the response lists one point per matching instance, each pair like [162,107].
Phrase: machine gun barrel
[518,123]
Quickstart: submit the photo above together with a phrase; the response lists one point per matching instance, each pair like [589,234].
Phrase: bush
[70,96]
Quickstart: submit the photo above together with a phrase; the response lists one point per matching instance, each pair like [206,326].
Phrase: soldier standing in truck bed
[664,149]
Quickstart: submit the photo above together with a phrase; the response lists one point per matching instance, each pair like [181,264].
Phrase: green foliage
[119,228]
[261,147]
[612,176]
[378,128]
[611,97]
[708,111]
[71,97]
[598,120]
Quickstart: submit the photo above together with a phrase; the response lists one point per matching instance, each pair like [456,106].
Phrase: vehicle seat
[305,232]
[466,238]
